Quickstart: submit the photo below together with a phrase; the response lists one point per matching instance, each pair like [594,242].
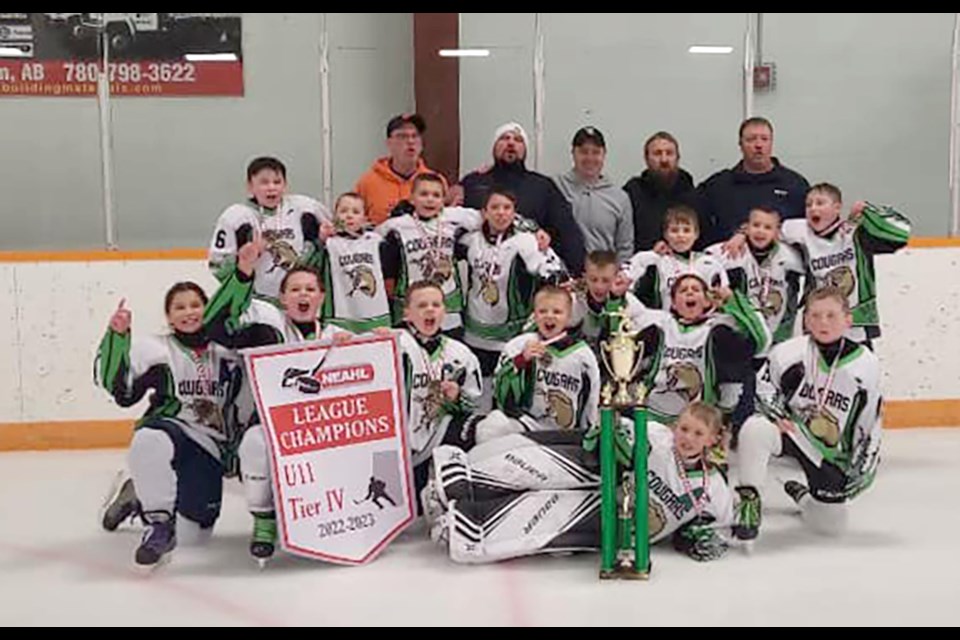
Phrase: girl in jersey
[176,457]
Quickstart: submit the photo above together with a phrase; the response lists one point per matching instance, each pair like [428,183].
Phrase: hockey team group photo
[523,307]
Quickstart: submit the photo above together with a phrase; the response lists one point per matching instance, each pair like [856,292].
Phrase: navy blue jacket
[538,199]
[651,198]
[725,199]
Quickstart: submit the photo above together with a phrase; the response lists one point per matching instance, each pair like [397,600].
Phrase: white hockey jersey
[429,414]
[356,297]
[653,275]
[685,366]
[427,254]
[844,259]
[284,231]
[838,420]
[671,505]
[193,388]
[504,275]
[772,286]
[559,391]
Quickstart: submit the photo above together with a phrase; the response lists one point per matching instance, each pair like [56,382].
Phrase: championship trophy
[625,544]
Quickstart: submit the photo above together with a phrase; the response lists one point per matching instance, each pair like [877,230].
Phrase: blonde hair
[423,285]
[828,293]
[707,414]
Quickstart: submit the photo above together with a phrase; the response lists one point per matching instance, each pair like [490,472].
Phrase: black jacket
[538,199]
[725,199]
[650,197]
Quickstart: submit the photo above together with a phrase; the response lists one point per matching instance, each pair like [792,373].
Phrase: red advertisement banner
[131,78]
[149,54]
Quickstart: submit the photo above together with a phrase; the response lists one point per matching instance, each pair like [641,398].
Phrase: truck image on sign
[16,34]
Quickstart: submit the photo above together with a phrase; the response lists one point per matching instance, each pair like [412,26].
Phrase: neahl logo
[320,379]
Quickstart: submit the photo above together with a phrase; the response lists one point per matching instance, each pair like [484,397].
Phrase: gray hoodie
[604,213]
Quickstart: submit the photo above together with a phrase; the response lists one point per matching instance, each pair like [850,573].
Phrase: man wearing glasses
[390,180]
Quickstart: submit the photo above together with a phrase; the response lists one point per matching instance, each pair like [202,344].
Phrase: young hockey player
[839,253]
[443,380]
[237,321]
[352,263]
[653,274]
[821,406]
[289,225]
[176,457]
[506,266]
[422,243]
[597,298]
[547,380]
[701,350]
[768,272]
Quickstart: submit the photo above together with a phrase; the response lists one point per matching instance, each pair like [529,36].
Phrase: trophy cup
[622,355]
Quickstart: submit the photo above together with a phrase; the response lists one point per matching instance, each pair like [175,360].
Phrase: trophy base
[626,573]
[624,569]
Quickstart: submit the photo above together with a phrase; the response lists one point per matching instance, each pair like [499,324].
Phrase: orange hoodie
[382,189]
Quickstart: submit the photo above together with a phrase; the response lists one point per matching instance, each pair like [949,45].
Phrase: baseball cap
[589,134]
[403,120]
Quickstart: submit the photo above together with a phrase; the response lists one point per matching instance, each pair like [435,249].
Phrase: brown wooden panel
[438,89]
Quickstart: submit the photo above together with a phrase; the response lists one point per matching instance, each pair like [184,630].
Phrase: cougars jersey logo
[841,278]
[560,408]
[436,268]
[430,406]
[771,306]
[684,378]
[362,281]
[208,413]
[282,252]
[656,518]
[823,425]
[489,291]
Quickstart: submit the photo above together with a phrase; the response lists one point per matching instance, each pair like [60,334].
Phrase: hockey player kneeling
[182,445]
[820,405]
[538,493]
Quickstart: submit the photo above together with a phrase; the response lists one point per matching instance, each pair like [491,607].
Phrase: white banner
[340,460]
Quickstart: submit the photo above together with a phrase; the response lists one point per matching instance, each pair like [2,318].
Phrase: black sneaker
[159,539]
[121,503]
[796,490]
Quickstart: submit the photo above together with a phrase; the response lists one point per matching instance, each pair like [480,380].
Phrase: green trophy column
[641,518]
[608,487]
